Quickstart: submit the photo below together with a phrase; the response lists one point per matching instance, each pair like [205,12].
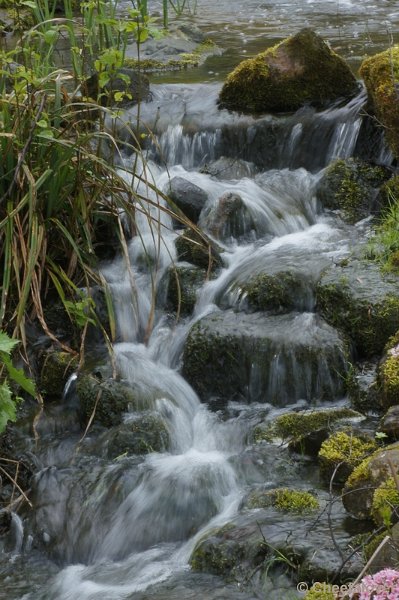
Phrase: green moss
[283,499]
[146,433]
[184,282]
[381,76]
[193,248]
[300,69]
[293,426]
[279,292]
[57,368]
[343,451]
[320,591]
[389,378]
[385,503]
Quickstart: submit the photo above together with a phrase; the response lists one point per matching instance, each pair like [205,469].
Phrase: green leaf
[19,377]
[8,410]
[6,343]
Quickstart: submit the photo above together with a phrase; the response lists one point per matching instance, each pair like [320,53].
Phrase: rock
[388,555]
[229,219]
[305,430]
[352,187]
[390,423]
[388,375]
[258,358]
[283,499]
[341,453]
[362,302]
[141,434]
[385,503]
[57,368]
[125,87]
[188,197]
[357,495]
[198,250]
[229,168]
[280,292]
[301,69]
[380,77]
[363,387]
[109,398]
[184,280]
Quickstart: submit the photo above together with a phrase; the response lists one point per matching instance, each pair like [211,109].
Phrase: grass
[384,246]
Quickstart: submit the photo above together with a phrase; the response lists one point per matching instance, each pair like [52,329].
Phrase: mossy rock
[381,77]
[280,292]
[56,369]
[198,250]
[109,398]
[143,434]
[320,591]
[283,499]
[389,424]
[184,281]
[352,186]
[385,505]
[341,453]
[230,356]
[388,375]
[301,69]
[358,492]
[229,219]
[304,430]
[362,302]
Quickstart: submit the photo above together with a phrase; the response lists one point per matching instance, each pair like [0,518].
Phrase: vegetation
[341,453]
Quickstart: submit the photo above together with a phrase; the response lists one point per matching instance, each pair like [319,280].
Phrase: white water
[180,494]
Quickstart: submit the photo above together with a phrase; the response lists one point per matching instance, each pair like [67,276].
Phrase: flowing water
[125,529]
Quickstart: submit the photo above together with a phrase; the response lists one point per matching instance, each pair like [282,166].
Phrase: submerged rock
[361,301]
[258,358]
[188,197]
[229,218]
[198,250]
[352,186]
[184,280]
[301,69]
[380,74]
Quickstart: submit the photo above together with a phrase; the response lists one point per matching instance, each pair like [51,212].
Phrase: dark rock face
[390,423]
[183,283]
[301,69]
[358,299]
[253,357]
[352,186]
[230,218]
[198,250]
[188,197]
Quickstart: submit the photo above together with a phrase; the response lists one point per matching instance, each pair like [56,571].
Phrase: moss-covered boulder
[352,186]
[142,434]
[184,281]
[341,453]
[259,358]
[279,292]
[198,250]
[385,504]
[362,302]
[283,499]
[381,77]
[229,219]
[357,495]
[107,398]
[56,369]
[388,375]
[304,430]
[301,69]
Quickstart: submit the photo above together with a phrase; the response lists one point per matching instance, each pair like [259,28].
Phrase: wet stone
[259,358]
[188,197]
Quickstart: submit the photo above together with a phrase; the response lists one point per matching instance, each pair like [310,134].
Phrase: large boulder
[357,298]
[380,74]
[352,186]
[301,69]
[255,357]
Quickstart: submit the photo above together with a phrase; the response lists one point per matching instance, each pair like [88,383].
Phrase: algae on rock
[341,453]
[301,69]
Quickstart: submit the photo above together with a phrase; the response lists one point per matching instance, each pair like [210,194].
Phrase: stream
[125,528]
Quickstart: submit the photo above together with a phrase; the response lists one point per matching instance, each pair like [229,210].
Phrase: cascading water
[120,526]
